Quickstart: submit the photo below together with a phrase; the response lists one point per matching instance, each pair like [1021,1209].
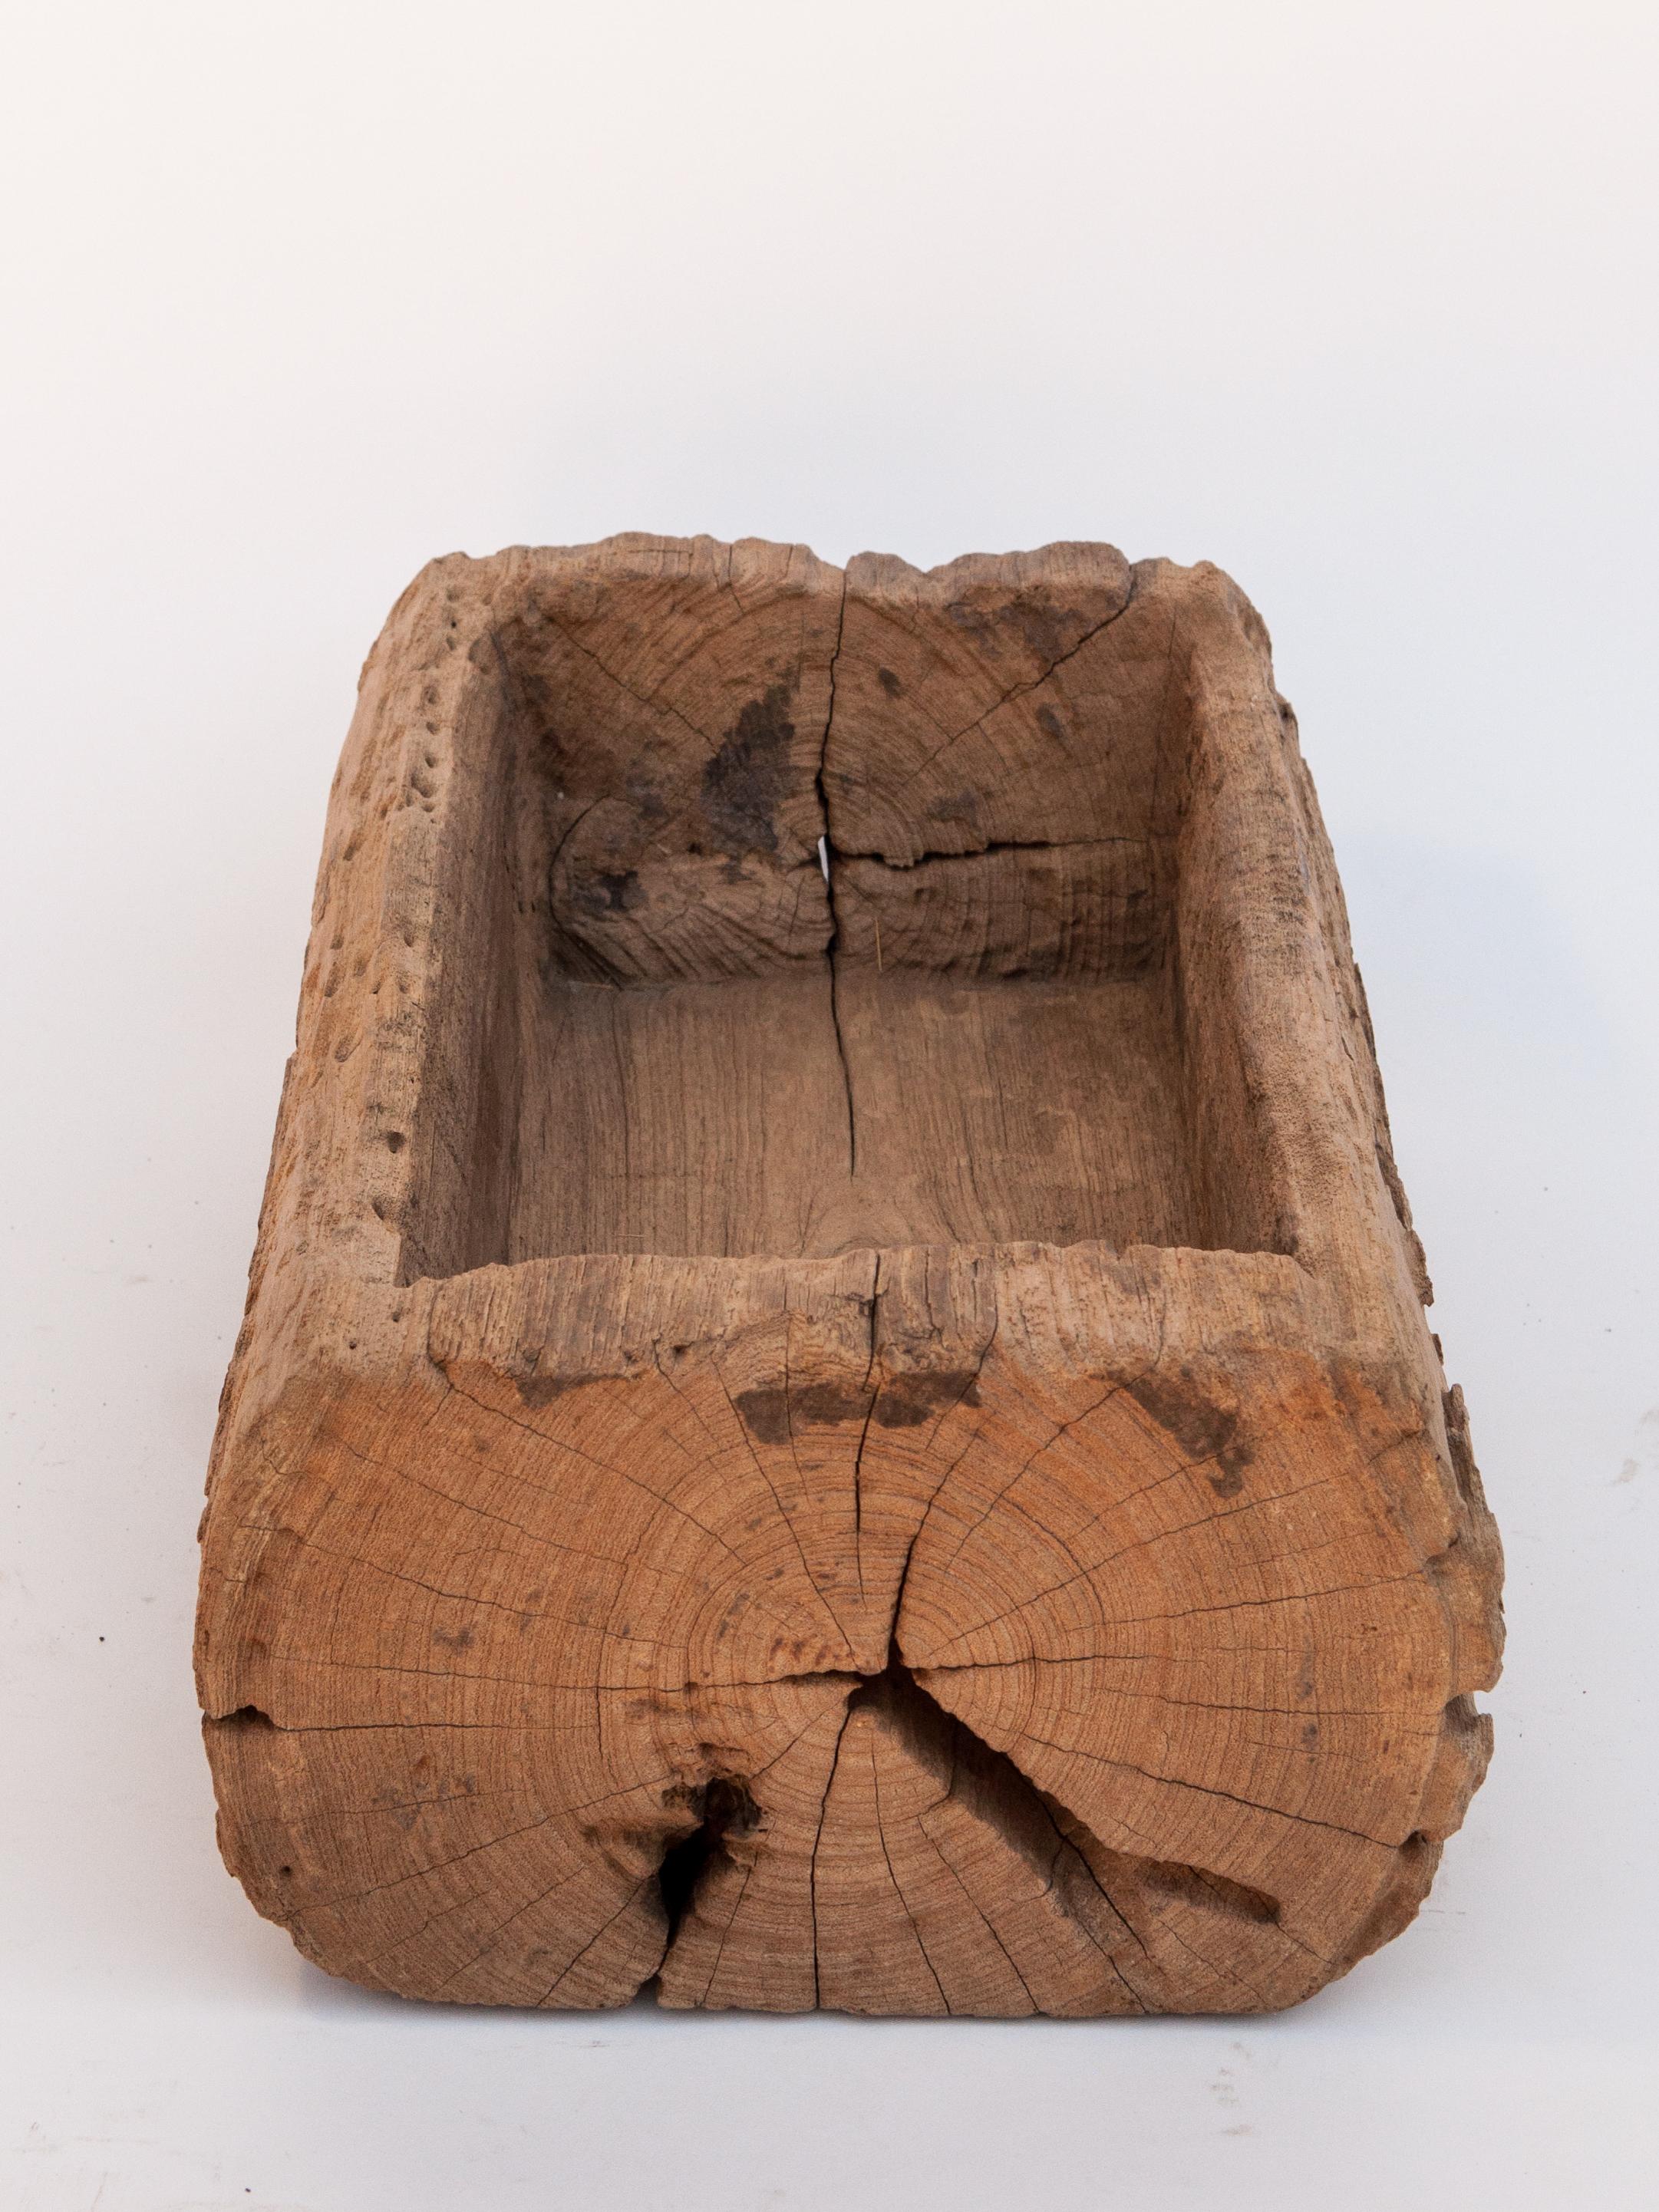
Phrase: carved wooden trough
[835,1406]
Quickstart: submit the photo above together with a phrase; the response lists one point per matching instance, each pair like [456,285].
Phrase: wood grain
[835,1406]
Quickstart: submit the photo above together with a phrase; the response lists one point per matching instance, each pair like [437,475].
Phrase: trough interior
[661,1030]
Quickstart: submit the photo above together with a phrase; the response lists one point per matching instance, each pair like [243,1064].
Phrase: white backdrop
[1358,300]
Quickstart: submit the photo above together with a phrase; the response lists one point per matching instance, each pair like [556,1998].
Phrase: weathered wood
[866,1442]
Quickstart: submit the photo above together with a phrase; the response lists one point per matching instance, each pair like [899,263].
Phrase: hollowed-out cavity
[765,939]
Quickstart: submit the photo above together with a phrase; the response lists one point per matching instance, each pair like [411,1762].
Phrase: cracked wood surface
[835,1407]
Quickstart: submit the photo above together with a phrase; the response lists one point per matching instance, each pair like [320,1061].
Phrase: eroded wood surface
[841,1423]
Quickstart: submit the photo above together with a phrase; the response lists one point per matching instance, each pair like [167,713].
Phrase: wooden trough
[835,1406]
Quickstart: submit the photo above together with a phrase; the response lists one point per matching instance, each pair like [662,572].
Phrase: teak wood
[835,1406]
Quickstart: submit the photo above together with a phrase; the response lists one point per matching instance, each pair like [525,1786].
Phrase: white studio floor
[303,305]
